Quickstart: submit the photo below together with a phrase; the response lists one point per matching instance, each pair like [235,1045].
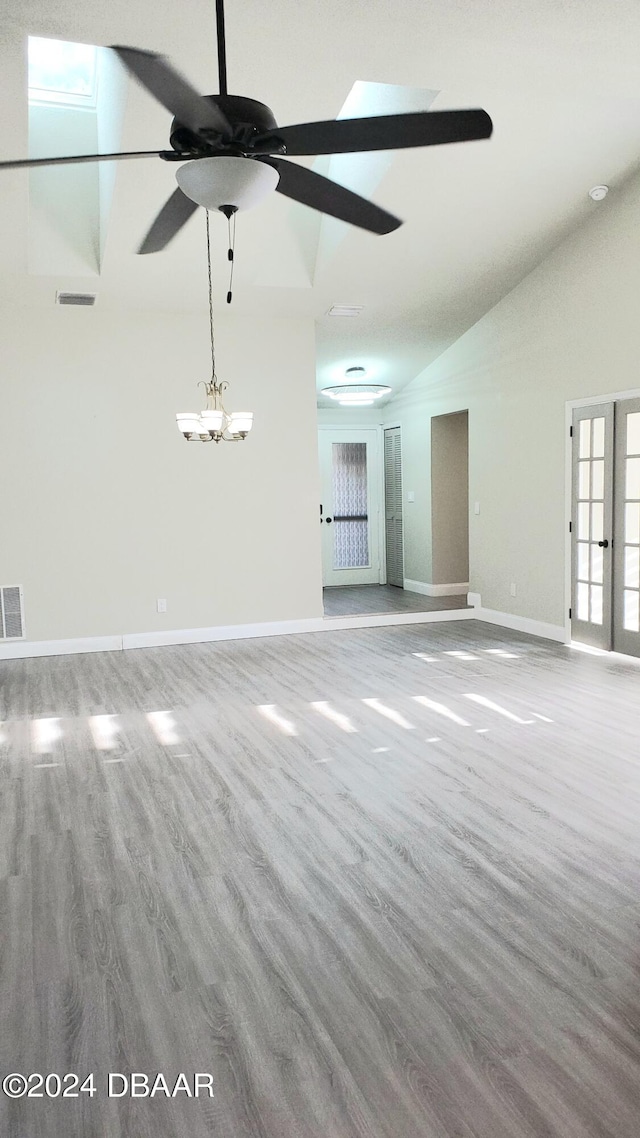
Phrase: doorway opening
[450,501]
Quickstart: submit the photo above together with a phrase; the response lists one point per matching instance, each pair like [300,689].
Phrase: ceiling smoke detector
[597,193]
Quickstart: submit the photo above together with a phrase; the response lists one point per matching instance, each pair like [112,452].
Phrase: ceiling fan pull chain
[231,254]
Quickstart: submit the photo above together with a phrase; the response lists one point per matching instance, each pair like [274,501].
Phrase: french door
[605,526]
[349,511]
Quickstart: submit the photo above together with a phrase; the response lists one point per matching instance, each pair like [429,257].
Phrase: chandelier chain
[213,350]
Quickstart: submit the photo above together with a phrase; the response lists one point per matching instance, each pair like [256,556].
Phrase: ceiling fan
[232,148]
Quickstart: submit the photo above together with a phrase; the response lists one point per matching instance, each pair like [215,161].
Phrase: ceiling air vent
[86,298]
[345,310]
[11,613]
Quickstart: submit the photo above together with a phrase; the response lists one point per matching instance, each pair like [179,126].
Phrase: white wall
[99,516]
[350,416]
[570,330]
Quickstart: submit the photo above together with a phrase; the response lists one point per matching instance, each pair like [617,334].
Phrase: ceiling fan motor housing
[248,117]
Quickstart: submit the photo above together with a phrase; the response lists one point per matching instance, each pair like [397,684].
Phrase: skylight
[62,72]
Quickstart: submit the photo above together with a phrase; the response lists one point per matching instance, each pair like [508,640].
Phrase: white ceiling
[560,80]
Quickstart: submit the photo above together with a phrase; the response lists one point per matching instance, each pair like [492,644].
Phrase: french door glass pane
[632,566]
[583,561]
[633,478]
[596,604]
[583,479]
[585,438]
[633,433]
[597,564]
[631,611]
[597,479]
[583,521]
[583,602]
[350,537]
[632,522]
[597,521]
[598,438]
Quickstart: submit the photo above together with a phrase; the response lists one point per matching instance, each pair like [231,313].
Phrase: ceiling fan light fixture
[226,180]
[356,393]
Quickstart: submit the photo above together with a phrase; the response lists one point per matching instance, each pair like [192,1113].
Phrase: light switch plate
[411,497]
[162,604]
[476,508]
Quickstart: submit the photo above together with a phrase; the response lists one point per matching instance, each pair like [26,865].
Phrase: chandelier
[214,423]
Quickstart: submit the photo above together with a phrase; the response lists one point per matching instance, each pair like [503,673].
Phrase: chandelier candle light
[215,423]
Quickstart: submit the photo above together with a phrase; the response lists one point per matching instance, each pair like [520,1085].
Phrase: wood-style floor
[365,915]
[356,600]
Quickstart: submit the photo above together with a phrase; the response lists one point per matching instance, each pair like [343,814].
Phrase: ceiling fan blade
[174,214]
[174,92]
[321,193]
[381,132]
[78,158]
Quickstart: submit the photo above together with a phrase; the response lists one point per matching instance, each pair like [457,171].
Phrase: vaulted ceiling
[559,79]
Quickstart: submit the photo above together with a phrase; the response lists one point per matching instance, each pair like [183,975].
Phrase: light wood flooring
[366,915]
[356,600]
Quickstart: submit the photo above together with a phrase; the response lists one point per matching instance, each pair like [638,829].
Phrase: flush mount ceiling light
[215,423]
[356,394]
[597,193]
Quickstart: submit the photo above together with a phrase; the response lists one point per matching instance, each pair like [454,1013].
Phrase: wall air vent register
[11,613]
[86,298]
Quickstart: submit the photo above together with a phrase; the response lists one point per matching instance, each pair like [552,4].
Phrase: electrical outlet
[162,604]
[512,590]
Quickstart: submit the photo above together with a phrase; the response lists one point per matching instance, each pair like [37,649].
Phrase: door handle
[328,521]
[604,544]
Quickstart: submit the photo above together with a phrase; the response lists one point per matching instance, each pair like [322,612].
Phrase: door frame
[590,401]
[379,480]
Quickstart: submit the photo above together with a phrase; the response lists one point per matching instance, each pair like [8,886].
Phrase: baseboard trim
[220,632]
[17,650]
[24,649]
[521,624]
[286,628]
[459,589]
[376,620]
[134,640]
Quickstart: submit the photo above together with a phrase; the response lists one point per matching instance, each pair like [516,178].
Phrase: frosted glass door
[349,509]
[626,582]
[592,525]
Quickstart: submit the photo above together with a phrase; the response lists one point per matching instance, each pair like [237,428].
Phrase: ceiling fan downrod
[222,47]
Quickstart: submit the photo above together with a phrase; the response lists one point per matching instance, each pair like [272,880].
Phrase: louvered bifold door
[592,524]
[393,506]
